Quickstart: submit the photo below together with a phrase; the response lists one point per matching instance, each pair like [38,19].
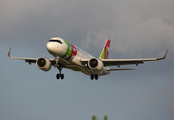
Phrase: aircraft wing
[30,60]
[33,60]
[118,62]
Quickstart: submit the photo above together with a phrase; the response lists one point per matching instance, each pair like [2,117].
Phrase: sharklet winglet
[166,53]
[9,52]
[164,56]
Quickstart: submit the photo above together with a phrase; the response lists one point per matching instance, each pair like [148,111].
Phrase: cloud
[137,28]
[131,25]
[131,31]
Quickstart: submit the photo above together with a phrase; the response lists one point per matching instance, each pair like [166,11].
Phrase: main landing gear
[94,76]
[60,76]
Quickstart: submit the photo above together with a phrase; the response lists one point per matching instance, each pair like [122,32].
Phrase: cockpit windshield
[55,41]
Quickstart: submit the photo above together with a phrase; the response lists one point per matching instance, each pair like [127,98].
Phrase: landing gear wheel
[57,76]
[59,67]
[96,77]
[62,76]
[92,77]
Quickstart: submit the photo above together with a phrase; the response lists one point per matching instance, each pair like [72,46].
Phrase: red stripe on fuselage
[74,52]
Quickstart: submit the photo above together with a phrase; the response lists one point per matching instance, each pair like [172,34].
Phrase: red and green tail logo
[105,52]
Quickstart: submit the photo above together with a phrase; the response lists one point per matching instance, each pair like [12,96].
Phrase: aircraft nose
[50,47]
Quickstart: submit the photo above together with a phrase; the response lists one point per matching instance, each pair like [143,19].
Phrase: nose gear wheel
[60,75]
[59,67]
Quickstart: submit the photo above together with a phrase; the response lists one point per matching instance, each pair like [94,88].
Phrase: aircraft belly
[75,64]
[83,69]
[74,67]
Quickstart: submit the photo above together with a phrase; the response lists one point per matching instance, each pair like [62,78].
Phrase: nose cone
[51,47]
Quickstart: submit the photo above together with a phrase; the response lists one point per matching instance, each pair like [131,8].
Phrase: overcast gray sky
[137,29]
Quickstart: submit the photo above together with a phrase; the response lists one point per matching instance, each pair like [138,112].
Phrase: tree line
[95,118]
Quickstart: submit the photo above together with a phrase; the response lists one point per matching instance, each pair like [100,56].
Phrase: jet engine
[95,64]
[43,64]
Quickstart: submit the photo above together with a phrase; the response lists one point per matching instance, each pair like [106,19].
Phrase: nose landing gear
[59,67]
[59,75]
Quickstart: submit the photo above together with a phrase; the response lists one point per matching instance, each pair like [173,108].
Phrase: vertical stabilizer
[105,52]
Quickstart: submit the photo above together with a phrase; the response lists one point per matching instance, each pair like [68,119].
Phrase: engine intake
[43,64]
[95,64]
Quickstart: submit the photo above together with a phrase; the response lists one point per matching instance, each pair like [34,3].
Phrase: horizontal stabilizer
[120,69]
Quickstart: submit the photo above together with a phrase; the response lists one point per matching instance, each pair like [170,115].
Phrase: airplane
[67,55]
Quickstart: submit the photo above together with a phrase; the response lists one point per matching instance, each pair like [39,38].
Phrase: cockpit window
[55,41]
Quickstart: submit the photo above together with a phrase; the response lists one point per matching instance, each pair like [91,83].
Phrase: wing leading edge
[106,62]
[29,60]
[118,62]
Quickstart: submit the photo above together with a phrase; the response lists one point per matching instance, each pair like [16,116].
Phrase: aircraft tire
[92,76]
[57,76]
[62,76]
[96,77]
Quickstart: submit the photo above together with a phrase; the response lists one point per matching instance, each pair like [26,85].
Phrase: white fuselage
[70,56]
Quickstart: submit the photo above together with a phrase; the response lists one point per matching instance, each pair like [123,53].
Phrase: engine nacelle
[95,64]
[43,64]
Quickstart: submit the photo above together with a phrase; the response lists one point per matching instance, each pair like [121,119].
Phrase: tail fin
[105,52]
